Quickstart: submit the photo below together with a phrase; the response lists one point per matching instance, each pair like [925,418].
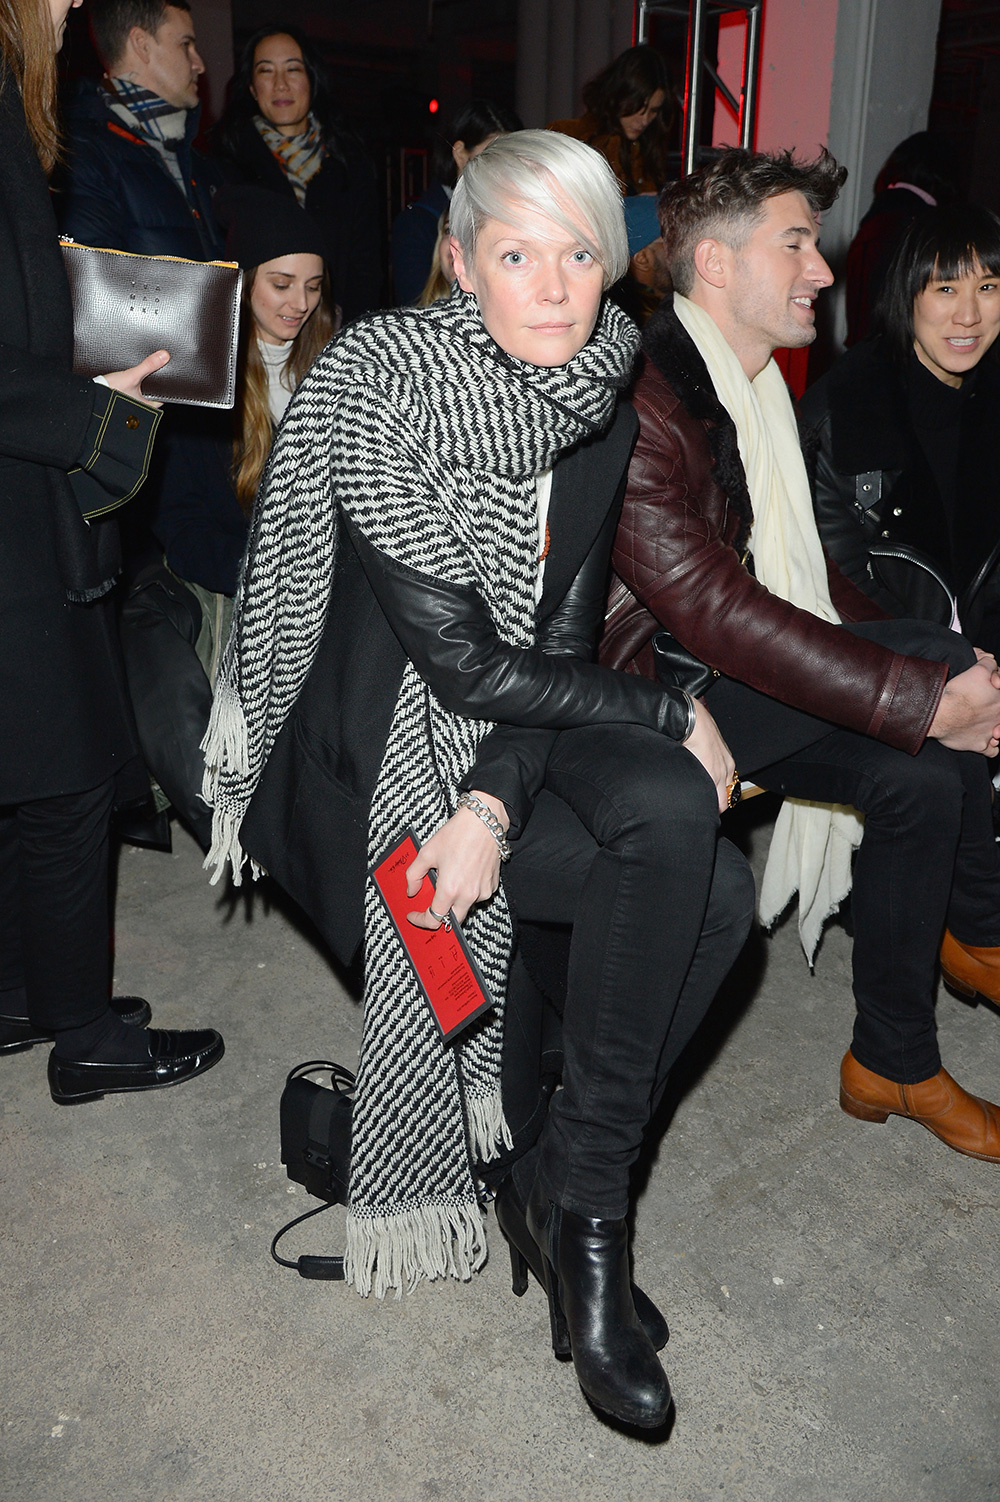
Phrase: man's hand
[990,660]
[968,716]
[466,858]
[707,745]
[129,382]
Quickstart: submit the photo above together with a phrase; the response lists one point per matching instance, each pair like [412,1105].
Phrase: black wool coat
[65,725]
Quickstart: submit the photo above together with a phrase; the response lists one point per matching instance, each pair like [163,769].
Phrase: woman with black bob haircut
[412,649]
[280,130]
[902,432]
[414,233]
[629,116]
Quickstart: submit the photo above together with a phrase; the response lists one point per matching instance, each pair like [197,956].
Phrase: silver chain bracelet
[478,807]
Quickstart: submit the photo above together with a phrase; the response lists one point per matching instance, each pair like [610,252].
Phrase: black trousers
[623,844]
[54,923]
[928,855]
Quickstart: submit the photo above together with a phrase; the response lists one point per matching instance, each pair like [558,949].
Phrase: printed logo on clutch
[448,976]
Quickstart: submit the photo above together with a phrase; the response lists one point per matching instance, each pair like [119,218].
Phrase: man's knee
[924,788]
[920,639]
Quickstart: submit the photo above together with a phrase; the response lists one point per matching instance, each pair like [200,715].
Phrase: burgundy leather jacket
[678,563]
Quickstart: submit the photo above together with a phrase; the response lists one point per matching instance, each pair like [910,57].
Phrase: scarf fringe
[488,1130]
[226,750]
[397,1251]
[225,848]
[225,742]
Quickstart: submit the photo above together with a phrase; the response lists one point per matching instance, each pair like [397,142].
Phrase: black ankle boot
[585,1265]
[509,1208]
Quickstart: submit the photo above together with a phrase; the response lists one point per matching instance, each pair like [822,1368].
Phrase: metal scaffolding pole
[696,12]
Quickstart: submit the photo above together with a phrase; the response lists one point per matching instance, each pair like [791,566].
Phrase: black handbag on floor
[316,1150]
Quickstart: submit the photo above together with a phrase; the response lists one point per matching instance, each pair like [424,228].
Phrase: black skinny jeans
[623,843]
[928,857]
[55,960]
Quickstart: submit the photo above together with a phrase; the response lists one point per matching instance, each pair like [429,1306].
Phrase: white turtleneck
[275,358]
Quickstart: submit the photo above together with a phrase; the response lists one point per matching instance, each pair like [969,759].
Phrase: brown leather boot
[970,971]
[963,1121]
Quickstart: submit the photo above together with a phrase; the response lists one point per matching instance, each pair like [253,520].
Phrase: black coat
[115,190]
[308,821]
[196,518]
[876,496]
[64,722]
[341,198]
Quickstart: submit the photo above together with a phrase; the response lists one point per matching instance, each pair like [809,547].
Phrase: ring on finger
[734,791]
[444,918]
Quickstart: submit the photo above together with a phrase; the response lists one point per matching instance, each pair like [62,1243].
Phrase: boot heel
[518,1272]
[859,1110]
[558,1327]
[968,993]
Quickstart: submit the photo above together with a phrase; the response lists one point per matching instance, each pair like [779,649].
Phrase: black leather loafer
[172,1057]
[17,1032]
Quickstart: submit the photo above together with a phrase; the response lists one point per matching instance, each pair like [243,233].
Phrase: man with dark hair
[820,696]
[133,179]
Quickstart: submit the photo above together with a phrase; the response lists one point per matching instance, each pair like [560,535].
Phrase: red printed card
[446,972]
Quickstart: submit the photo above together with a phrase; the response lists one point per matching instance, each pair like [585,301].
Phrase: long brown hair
[28,51]
[622,89]
[255,431]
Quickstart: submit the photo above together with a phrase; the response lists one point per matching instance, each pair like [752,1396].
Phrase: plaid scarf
[153,120]
[299,157]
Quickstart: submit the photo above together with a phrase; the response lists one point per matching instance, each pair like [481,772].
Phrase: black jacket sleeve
[100,438]
[844,532]
[449,636]
[512,760]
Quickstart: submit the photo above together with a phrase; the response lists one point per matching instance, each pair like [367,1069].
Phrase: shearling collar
[676,356]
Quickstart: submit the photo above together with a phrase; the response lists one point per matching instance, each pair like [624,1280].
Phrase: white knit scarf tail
[812,844]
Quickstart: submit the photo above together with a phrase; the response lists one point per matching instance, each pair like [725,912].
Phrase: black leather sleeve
[449,636]
[512,759]
[840,527]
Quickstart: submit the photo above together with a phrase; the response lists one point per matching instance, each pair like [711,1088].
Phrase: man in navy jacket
[133,178]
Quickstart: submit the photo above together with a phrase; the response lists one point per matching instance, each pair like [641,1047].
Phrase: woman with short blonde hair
[412,649]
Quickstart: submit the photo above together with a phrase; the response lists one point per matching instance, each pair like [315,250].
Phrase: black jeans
[55,961]
[928,856]
[623,843]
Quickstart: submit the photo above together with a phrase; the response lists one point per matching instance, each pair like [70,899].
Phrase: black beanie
[261,226]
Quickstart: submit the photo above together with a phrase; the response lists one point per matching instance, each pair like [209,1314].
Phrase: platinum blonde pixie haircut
[554,175]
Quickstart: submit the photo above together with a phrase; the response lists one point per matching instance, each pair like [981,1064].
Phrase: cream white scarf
[812,842]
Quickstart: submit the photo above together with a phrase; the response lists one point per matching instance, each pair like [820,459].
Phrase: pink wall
[793,102]
[796,75]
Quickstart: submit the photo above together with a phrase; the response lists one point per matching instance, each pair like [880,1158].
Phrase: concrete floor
[831,1287]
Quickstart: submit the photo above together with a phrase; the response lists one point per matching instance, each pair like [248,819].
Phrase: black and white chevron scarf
[429,437]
